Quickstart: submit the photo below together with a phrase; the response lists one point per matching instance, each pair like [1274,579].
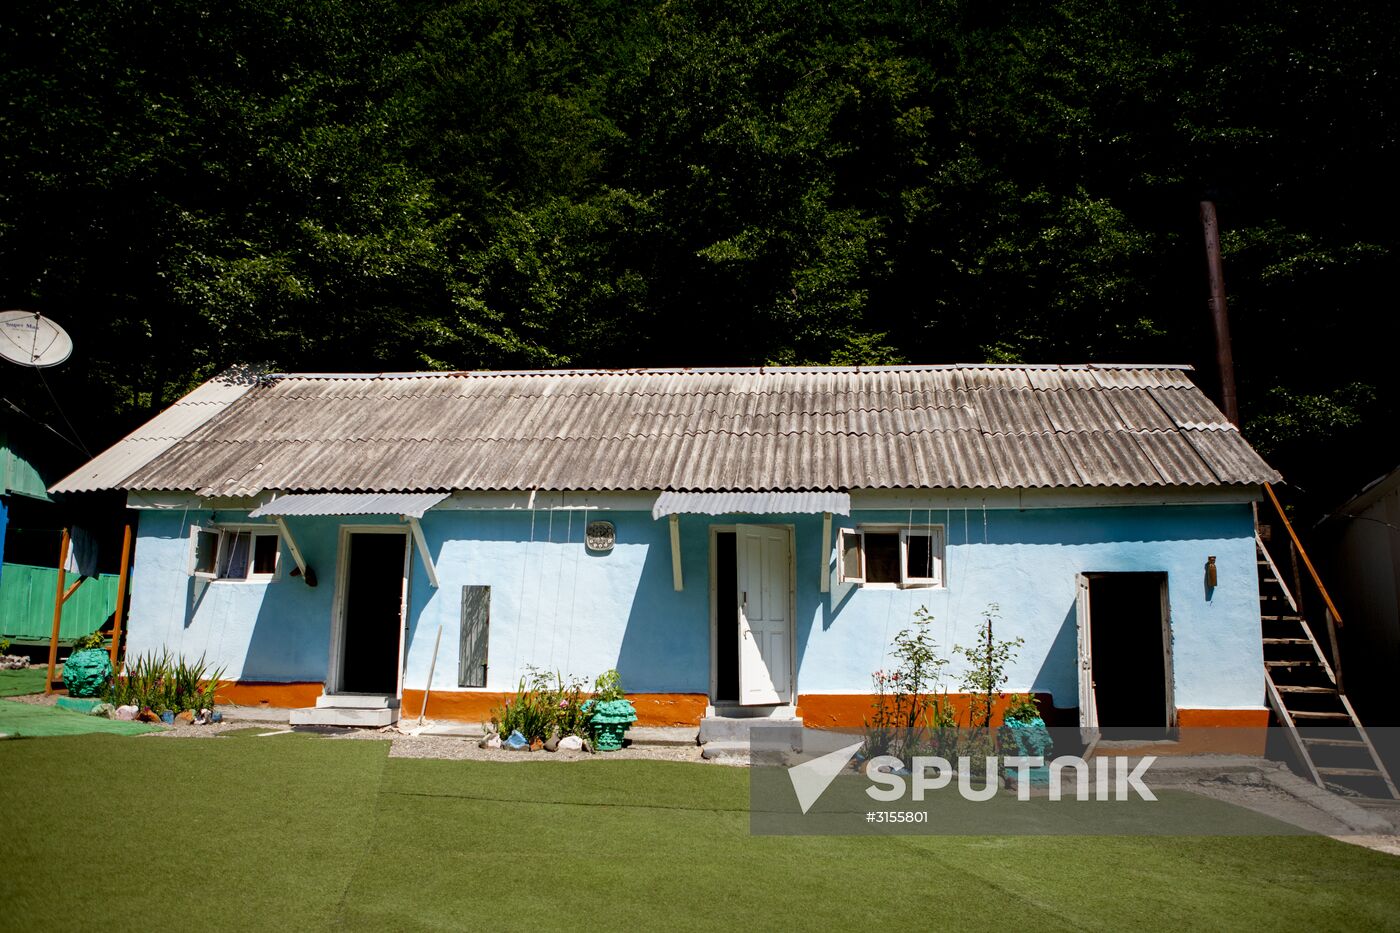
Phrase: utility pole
[1224,358]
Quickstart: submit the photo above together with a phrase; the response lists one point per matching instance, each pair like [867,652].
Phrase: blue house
[732,541]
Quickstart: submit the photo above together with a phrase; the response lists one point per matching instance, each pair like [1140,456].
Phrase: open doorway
[1125,655]
[373,587]
[751,604]
[726,619]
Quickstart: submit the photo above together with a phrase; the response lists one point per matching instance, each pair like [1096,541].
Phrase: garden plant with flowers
[911,706]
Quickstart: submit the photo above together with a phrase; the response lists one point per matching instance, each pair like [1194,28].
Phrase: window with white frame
[890,555]
[249,553]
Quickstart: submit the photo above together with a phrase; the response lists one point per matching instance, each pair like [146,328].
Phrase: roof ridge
[745,370]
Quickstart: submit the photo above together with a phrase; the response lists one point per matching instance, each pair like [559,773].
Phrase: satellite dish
[30,339]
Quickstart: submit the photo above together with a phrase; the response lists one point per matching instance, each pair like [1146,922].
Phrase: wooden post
[826,553]
[677,581]
[1224,358]
[121,596]
[58,599]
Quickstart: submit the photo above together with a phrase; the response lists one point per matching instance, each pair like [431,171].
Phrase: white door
[1088,704]
[765,615]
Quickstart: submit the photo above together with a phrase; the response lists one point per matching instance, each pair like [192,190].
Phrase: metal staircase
[1305,688]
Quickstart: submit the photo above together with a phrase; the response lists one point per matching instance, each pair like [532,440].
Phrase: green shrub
[161,682]
[985,674]
[911,712]
[543,702]
[608,687]
[91,640]
[1022,708]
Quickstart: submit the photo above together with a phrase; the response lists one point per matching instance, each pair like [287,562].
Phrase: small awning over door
[751,503]
[409,504]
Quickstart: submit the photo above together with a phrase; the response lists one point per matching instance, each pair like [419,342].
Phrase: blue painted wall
[558,606]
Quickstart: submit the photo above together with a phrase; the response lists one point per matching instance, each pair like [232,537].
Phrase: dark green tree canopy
[380,185]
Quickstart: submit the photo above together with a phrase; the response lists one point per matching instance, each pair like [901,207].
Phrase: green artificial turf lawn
[18,683]
[26,719]
[298,832]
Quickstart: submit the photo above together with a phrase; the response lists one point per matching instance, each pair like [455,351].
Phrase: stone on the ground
[185,716]
[552,743]
[490,741]
[516,741]
[127,713]
[570,743]
[13,662]
[105,710]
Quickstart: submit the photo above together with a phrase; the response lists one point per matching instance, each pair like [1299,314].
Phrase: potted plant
[610,712]
[1024,733]
[87,671]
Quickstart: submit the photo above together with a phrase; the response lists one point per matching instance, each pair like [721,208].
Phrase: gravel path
[454,748]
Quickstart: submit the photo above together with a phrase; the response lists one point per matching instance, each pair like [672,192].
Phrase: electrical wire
[573,590]
[76,436]
[44,424]
[559,585]
[520,603]
[539,614]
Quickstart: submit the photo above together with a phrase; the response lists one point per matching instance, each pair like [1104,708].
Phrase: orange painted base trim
[653,709]
[254,693]
[1207,732]
[1200,731]
[851,710]
[1223,718]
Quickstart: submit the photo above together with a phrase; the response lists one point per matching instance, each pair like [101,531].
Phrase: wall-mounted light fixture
[600,536]
[1210,571]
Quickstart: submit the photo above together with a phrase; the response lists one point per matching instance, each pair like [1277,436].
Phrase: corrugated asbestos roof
[109,469]
[751,503]
[350,503]
[970,426]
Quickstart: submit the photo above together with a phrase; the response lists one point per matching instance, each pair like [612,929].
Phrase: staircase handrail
[1307,562]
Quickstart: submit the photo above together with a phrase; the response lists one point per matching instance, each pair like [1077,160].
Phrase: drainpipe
[1224,358]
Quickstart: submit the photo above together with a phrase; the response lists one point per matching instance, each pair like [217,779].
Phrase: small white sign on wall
[600,536]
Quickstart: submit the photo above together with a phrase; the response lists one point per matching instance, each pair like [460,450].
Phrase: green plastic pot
[610,721]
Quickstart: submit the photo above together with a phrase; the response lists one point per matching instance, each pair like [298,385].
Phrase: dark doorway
[1130,668]
[726,618]
[374,584]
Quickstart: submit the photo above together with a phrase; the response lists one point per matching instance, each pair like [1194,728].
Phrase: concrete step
[662,736]
[356,701]
[732,729]
[736,750]
[735,711]
[343,716]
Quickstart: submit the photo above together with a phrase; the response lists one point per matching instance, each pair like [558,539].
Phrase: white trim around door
[334,669]
[786,693]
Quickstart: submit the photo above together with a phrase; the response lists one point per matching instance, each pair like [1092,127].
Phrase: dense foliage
[372,184]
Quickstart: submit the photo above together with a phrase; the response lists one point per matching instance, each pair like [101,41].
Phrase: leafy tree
[318,184]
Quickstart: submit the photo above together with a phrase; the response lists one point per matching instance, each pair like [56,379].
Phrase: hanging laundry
[82,552]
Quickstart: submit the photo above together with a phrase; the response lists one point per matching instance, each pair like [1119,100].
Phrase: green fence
[26,603]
